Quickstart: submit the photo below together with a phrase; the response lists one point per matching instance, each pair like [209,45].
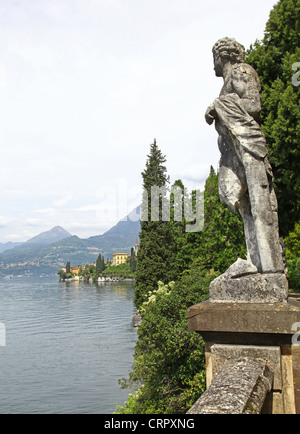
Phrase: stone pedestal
[259,331]
[242,282]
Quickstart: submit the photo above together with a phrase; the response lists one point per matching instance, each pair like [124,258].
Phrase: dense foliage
[133,260]
[220,242]
[122,271]
[169,373]
[292,243]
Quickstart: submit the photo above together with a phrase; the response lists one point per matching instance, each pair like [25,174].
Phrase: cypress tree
[102,264]
[99,267]
[156,255]
[132,260]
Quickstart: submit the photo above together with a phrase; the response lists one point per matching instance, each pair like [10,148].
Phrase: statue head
[228,50]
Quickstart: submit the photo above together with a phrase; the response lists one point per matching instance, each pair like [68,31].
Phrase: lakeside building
[120,258]
[74,270]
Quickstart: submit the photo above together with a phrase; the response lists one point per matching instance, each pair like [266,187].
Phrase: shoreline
[100,279]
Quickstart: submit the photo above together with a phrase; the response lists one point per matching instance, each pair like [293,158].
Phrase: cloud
[32,221]
[47,211]
[4,221]
[88,229]
[60,203]
[12,237]
[91,207]
[195,172]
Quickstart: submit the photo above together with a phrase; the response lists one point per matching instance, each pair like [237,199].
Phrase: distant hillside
[55,234]
[34,258]
[120,237]
[8,246]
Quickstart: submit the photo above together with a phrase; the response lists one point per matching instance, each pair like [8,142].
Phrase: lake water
[67,345]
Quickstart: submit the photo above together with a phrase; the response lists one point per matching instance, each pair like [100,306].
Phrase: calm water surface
[67,345]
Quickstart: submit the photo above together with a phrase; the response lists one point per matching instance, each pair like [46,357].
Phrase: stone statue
[245,174]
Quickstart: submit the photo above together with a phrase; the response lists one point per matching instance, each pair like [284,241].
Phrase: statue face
[218,65]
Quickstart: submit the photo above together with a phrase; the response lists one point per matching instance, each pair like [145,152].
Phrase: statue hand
[210,115]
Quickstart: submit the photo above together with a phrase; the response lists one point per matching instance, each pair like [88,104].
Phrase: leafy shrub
[294,274]
[292,243]
[169,372]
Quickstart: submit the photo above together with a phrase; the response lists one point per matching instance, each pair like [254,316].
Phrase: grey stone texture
[240,387]
[263,332]
[254,288]
[220,353]
[244,319]
[245,174]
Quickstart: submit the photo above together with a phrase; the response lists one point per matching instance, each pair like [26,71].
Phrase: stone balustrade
[240,387]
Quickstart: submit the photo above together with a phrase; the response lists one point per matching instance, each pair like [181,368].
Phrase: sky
[86,86]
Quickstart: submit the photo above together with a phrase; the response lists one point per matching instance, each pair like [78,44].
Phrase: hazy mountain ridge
[55,234]
[8,246]
[39,256]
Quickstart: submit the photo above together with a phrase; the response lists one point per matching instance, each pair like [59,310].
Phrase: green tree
[169,359]
[62,274]
[100,265]
[292,243]
[132,260]
[222,240]
[156,255]
[68,268]
[273,58]
[186,242]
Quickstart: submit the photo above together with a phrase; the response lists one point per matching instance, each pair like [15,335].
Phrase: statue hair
[229,48]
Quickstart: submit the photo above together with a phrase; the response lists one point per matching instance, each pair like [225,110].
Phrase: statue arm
[245,83]
[211,114]
[246,87]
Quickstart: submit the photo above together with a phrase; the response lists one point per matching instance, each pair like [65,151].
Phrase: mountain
[34,258]
[7,246]
[55,234]
[122,236]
